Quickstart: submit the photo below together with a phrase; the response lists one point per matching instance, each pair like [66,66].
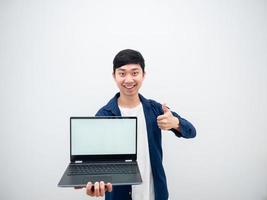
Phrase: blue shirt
[152,110]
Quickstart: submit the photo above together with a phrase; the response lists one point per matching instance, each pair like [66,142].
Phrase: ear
[113,75]
[144,74]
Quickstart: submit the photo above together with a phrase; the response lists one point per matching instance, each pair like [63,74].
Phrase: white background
[206,59]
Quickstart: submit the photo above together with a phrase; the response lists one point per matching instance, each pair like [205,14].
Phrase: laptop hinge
[78,161]
[128,160]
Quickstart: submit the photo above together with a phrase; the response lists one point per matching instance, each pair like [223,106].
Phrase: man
[129,73]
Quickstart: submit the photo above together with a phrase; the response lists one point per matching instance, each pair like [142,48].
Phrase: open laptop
[102,149]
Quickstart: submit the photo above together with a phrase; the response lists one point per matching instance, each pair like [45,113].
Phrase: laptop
[102,149]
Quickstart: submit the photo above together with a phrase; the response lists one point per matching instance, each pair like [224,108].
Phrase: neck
[128,101]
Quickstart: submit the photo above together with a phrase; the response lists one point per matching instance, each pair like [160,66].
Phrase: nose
[128,78]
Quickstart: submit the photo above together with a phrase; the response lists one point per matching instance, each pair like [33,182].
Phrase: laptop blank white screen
[98,136]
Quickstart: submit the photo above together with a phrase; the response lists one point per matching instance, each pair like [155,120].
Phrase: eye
[121,74]
[135,73]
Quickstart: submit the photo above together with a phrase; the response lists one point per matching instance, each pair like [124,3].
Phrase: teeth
[129,87]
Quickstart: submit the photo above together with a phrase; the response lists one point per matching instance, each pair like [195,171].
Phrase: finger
[97,192]
[162,121]
[102,188]
[161,117]
[89,189]
[165,108]
[109,187]
[163,125]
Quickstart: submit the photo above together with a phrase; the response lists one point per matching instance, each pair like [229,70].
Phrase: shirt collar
[113,104]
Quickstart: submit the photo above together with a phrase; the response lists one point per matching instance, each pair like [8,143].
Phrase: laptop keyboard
[83,169]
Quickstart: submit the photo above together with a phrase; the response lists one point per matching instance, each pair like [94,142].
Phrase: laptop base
[115,179]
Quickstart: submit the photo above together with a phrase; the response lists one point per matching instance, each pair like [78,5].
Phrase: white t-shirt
[144,191]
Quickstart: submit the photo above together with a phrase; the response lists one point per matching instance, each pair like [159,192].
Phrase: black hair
[128,56]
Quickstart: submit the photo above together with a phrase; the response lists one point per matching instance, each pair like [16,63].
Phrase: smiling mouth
[129,86]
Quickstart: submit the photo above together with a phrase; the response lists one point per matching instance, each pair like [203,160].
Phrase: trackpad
[98,178]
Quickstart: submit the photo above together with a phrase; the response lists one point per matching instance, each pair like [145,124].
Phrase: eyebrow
[130,69]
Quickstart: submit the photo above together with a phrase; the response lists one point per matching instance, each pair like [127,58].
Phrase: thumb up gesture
[167,120]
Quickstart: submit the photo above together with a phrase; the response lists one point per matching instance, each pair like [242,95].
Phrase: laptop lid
[103,138]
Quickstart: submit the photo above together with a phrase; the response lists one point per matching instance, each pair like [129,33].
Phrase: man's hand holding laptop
[97,189]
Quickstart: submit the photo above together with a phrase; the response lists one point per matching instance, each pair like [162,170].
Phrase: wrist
[176,123]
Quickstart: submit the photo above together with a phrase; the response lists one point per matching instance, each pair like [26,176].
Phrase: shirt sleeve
[186,129]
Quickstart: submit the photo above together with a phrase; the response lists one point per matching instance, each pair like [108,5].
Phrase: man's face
[129,79]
